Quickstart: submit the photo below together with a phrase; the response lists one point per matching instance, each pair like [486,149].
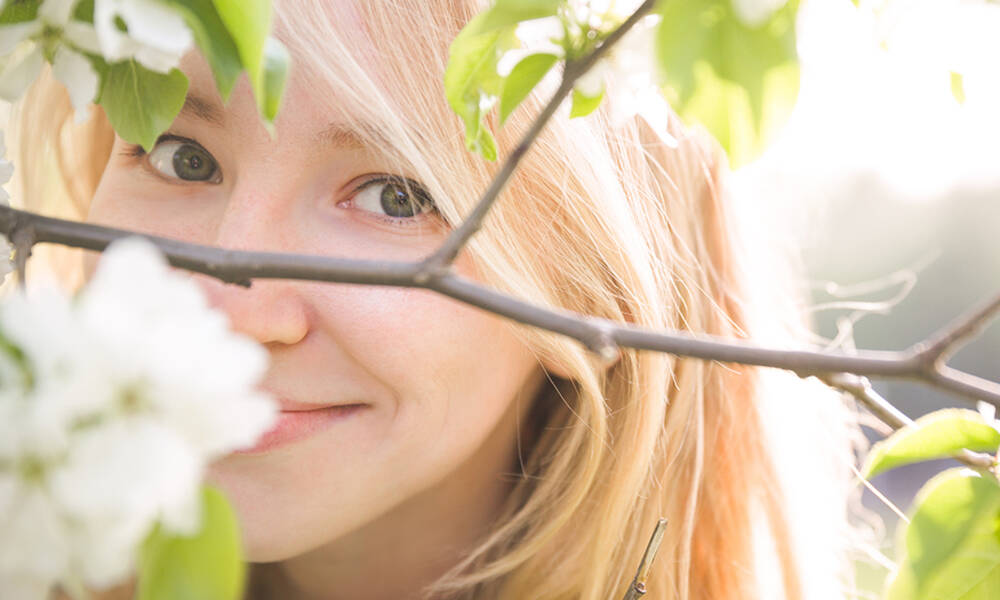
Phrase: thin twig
[445,255]
[942,344]
[862,390]
[638,586]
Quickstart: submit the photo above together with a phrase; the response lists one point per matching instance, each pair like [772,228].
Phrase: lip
[298,421]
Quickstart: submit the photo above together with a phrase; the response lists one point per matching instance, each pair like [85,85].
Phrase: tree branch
[599,335]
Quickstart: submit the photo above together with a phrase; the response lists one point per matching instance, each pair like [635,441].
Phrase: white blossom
[33,550]
[135,385]
[193,370]
[157,36]
[56,32]
[537,36]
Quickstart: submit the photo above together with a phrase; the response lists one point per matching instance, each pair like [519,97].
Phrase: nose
[271,311]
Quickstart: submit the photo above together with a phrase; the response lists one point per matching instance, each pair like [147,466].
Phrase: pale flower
[132,388]
[537,36]
[157,36]
[56,32]
[193,371]
[68,379]
[33,550]
[120,478]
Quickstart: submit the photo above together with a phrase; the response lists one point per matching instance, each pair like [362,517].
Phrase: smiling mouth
[295,422]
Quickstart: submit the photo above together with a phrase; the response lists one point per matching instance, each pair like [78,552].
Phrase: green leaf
[214,41]
[19,11]
[584,105]
[276,62]
[248,22]
[522,79]
[506,13]
[140,103]
[937,435]
[718,67]
[471,79]
[208,565]
[951,548]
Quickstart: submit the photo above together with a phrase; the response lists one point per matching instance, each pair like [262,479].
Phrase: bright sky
[891,110]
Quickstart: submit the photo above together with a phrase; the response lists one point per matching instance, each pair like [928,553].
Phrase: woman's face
[441,385]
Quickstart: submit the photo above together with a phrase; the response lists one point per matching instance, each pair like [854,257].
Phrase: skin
[385,501]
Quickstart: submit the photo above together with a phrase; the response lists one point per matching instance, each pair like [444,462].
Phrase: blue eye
[178,158]
[394,197]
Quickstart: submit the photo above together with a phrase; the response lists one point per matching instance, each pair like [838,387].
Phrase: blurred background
[888,176]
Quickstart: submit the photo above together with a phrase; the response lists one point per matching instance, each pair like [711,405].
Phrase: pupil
[191,163]
[396,201]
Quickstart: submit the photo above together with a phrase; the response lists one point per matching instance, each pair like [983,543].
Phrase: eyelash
[136,151]
[413,188]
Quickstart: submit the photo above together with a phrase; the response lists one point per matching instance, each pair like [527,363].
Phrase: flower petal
[16,78]
[156,60]
[79,77]
[12,35]
[83,36]
[56,12]
[113,43]
[153,24]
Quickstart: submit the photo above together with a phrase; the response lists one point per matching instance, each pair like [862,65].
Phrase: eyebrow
[338,135]
[203,110]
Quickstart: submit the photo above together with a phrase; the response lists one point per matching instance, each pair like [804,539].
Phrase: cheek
[127,198]
[442,359]
[444,377]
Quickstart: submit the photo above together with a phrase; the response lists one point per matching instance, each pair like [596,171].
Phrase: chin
[265,537]
[265,549]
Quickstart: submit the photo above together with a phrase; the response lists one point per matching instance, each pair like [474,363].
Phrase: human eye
[392,198]
[176,157]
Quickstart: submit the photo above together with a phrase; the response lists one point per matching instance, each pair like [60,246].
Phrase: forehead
[316,35]
[319,100]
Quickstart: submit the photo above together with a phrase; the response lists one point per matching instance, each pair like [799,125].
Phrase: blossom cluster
[629,73]
[155,36]
[629,69]
[112,403]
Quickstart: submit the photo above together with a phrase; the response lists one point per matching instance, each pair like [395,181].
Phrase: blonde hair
[602,221]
